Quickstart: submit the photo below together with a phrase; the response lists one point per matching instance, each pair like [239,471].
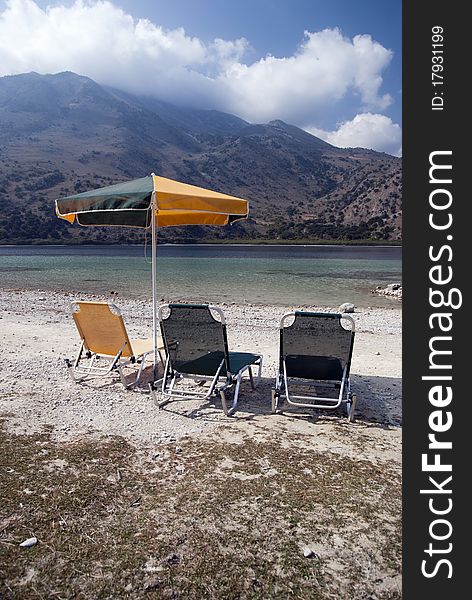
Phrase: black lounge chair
[315,353]
[196,348]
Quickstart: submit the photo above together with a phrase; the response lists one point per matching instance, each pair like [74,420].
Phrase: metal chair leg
[251,378]
[352,409]
[123,378]
[223,402]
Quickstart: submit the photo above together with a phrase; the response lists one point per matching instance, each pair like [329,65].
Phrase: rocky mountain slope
[64,133]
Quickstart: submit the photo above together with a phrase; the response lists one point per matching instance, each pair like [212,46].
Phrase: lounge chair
[315,353]
[196,349]
[105,345]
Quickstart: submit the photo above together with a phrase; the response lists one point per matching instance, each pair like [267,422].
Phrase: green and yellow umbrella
[151,202]
[131,204]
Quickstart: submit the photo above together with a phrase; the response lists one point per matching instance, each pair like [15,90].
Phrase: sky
[331,67]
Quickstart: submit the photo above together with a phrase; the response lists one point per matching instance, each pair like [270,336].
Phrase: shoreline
[291,243]
[394,304]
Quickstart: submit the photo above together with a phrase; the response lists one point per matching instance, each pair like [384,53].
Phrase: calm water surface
[281,275]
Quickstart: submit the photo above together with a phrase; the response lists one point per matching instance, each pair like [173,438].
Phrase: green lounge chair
[199,353]
[315,353]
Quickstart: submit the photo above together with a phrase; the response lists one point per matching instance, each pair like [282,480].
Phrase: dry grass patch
[197,519]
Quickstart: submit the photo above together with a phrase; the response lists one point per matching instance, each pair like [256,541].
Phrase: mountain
[64,133]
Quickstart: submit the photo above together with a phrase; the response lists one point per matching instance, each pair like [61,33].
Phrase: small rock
[377,353]
[393,290]
[308,552]
[171,560]
[32,541]
[347,307]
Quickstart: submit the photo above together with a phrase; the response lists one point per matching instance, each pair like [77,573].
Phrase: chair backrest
[190,331]
[102,328]
[317,334]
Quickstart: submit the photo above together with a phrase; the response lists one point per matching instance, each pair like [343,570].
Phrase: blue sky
[277,26]
[341,80]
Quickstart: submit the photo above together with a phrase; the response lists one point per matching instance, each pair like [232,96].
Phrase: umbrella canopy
[130,205]
[133,204]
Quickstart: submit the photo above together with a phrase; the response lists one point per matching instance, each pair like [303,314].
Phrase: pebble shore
[37,334]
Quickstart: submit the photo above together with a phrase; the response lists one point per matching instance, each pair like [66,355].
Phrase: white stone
[32,541]
[347,307]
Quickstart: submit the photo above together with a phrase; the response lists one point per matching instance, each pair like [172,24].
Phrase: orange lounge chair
[105,345]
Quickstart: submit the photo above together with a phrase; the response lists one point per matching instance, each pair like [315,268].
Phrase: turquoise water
[281,275]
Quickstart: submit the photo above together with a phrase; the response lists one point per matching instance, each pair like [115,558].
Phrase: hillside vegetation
[64,133]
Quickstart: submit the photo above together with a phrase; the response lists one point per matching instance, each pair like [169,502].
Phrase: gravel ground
[37,333]
[126,499]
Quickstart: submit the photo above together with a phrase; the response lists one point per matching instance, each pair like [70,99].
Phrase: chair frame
[282,380]
[221,382]
[84,367]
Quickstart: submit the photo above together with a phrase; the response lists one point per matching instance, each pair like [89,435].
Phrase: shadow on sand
[378,403]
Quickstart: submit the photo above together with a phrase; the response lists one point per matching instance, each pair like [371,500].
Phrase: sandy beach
[355,555]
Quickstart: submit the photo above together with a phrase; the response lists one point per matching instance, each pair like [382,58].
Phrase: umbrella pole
[154,281]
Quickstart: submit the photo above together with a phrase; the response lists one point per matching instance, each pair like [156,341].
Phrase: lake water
[280,275]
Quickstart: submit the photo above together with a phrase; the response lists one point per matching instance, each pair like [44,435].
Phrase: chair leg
[251,378]
[352,408]
[72,367]
[137,379]
[234,404]
[258,364]
[123,378]
[70,370]
[276,393]
[167,391]
[254,384]
[153,390]
[162,403]
[223,402]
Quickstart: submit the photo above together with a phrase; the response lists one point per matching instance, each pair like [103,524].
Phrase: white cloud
[98,39]
[324,69]
[365,130]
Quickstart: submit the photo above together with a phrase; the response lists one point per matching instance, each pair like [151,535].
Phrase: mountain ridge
[65,133]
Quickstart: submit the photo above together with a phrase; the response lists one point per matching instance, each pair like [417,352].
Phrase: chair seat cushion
[208,364]
[141,346]
[239,360]
[314,367]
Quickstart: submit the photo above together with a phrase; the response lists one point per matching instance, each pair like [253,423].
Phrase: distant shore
[230,242]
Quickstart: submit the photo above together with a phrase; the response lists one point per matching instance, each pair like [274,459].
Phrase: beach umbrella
[149,203]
